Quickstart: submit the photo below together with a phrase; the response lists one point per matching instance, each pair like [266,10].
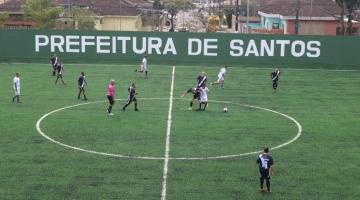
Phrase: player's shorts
[264,173]
[131,98]
[196,95]
[220,78]
[111,99]
[17,92]
[203,100]
[60,75]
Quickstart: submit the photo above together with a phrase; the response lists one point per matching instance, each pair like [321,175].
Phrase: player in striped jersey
[54,61]
[81,83]
[131,97]
[60,72]
[275,76]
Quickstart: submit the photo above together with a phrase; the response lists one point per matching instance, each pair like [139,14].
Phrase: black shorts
[131,99]
[111,99]
[197,95]
[264,173]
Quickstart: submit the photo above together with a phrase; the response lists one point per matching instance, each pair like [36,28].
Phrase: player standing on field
[275,75]
[54,61]
[266,163]
[143,66]
[203,96]
[82,82]
[221,77]
[111,96]
[201,79]
[60,72]
[131,97]
[16,85]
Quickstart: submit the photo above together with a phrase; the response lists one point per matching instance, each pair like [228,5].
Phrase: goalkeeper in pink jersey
[111,95]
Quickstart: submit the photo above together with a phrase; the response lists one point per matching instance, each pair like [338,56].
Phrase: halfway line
[167,145]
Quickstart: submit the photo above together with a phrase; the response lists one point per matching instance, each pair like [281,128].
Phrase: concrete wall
[119,23]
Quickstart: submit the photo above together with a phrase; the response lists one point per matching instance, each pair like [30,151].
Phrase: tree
[41,12]
[351,6]
[3,18]
[178,4]
[157,4]
[341,4]
[84,18]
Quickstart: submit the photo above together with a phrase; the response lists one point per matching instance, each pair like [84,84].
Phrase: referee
[266,163]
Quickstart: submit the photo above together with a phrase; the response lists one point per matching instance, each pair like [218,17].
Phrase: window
[275,26]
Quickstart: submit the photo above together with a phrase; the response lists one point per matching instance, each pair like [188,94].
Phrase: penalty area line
[167,144]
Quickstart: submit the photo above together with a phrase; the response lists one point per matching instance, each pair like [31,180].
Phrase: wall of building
[119,23]
[316,27]
[269,23]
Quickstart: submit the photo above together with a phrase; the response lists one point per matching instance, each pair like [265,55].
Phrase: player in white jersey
[143,66]
[221,77]
[16,85]
[203,96]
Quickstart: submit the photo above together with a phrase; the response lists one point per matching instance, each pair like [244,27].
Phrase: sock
[145,73]
[261,183]
[268,184]
[135,105]
[191,103]
[17,98]
[109,109]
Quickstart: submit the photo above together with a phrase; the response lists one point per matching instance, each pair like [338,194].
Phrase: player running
[54,61]
[275,76]
[60,71]
[81,83]
[131,97]
[221,77]
[266,163]
[143,66]
[16,85]
[111,96]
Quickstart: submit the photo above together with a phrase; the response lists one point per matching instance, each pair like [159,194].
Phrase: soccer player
[82,82]
[201,80]
[196,95]
[60,71]
[16,84]
[203,96]
[111,96]
[131,97]
[266,163]
[54,61]
[221,77]
[143,66]
[275,75]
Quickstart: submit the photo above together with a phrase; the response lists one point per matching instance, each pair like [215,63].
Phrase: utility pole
[297,17]
[237,16]
[247,16]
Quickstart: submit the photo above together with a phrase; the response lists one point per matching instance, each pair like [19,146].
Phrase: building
[124,15]
[321,17]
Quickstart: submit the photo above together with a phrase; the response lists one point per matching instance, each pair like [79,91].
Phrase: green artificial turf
[322,164]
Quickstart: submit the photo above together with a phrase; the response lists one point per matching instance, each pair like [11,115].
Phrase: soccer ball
[225,109]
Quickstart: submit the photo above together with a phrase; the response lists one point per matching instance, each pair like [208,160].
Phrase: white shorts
[17,92]
[220,78]
[143,68]
[203,99]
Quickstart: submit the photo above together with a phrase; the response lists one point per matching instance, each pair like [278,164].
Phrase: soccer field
[211,153]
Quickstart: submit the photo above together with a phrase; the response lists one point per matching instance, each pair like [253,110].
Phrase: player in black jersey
[81,83]
[201,80]
[60,71]
[266,163]
[275,76]
[54,61]
[131,97]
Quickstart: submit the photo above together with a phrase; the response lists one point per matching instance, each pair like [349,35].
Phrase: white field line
[168,131]
[188,66]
